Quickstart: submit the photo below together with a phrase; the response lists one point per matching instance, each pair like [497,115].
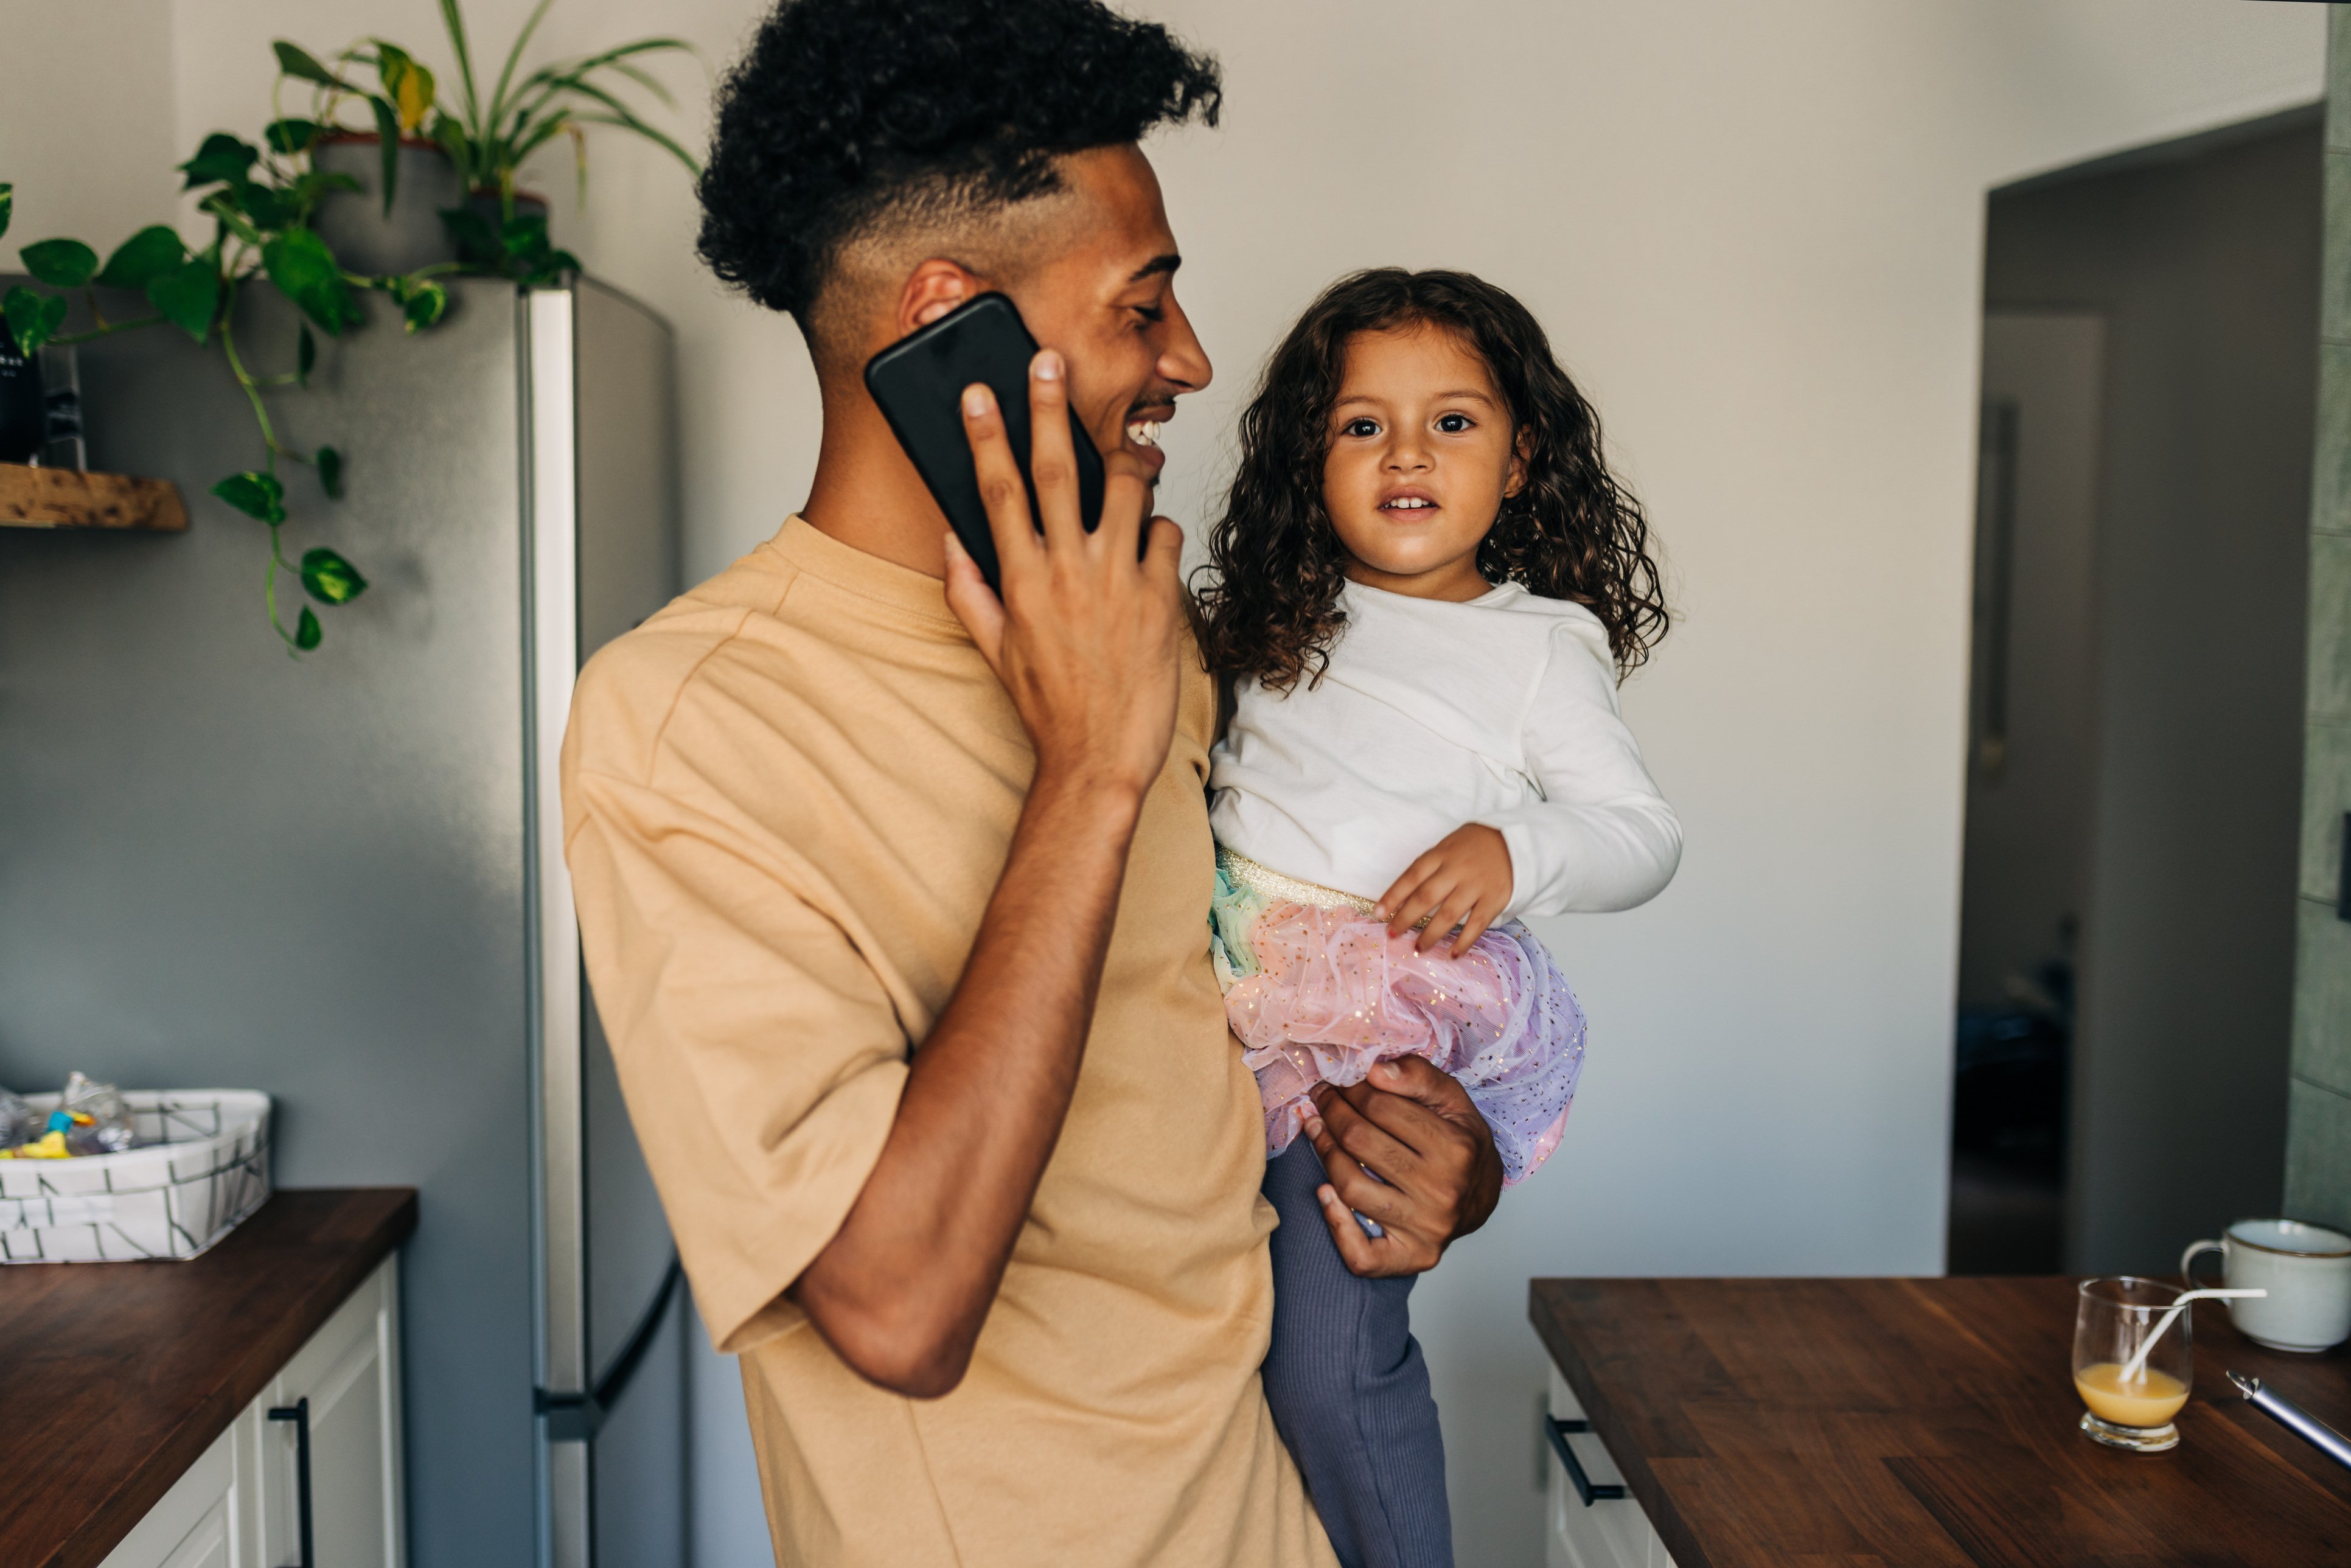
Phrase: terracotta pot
[353,223]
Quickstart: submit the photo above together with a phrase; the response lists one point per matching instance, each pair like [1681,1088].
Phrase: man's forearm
[901,1290]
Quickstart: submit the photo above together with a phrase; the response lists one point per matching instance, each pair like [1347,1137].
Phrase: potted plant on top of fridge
[484,139]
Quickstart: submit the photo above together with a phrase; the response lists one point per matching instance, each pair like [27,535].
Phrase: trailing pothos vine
[261,200]
[260,203]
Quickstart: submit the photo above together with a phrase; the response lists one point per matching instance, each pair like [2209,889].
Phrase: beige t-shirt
[786,799]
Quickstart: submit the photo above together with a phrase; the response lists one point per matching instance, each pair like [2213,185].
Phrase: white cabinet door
[206,1520]
[348,1374]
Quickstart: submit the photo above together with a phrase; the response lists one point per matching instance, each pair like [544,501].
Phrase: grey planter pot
[353,223]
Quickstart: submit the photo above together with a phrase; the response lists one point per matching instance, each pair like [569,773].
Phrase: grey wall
[2318,1164]
[2206,267]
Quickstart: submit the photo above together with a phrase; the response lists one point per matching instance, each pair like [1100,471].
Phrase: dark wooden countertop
[1932,1422]
[116,1377]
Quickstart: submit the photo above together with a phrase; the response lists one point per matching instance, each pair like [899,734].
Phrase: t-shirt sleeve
[760,1055]
[1602,838]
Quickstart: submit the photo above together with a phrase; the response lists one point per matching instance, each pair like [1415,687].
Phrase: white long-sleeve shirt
[1502,710]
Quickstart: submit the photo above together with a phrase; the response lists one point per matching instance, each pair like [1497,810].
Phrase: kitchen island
[138,1395]
[1927,1421]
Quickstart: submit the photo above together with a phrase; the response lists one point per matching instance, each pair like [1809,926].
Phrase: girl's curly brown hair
[1271,610]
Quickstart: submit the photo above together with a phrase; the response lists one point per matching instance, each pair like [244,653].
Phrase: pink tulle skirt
[1318,991]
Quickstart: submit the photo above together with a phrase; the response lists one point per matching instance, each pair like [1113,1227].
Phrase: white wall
[86,124]
[1755,233]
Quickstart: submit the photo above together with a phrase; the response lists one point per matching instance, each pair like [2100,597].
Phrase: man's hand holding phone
[1086,636]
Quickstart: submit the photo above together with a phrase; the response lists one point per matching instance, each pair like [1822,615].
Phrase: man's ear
[1521,452]
[932,290]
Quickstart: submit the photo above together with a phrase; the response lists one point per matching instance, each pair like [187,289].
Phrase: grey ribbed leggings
[1349,1389]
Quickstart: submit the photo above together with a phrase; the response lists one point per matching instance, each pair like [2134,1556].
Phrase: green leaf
[32,319]
[330,479]
[307,635]
[257,496]
[292,136]
[296,61]
[423,306]
[450,132]
[330,579]
[144,257]
[60,263]
[305,271]
[188,296]
[477,236]
[525,235]
[387,136]
[7,205]
[267,208]
[413,96]
[222,158]
[306,354]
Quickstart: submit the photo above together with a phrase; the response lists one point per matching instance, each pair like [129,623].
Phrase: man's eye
[1149,313]
[1452,423]
[1360,427]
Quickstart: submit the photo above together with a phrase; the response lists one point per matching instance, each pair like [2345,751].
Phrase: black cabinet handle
[299,1413]
[1585,1488]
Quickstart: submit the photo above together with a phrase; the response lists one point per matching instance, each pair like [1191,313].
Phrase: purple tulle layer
[1320,995]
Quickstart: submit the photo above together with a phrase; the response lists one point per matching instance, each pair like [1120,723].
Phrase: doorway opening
[2135,713]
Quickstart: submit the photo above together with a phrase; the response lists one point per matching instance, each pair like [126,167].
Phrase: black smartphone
[919,383]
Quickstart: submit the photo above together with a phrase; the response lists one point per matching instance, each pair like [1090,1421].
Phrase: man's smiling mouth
[1143,431]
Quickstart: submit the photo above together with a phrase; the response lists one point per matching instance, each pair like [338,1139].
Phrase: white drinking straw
[2138,1362]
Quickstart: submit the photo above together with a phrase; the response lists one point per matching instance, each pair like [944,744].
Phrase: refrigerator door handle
[575,1417]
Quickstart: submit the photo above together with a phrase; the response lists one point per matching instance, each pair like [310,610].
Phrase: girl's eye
[1360,427]
[1452,423]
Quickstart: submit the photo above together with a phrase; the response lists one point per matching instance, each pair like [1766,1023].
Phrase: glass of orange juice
[2113,1320]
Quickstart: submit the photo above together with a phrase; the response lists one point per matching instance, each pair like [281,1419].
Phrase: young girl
[1427,584]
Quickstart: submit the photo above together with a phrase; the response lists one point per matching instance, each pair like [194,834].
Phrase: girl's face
[1422,455]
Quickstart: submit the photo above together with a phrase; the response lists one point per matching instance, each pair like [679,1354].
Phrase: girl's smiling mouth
[1409,500]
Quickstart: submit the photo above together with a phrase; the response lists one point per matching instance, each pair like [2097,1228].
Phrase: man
[895,894]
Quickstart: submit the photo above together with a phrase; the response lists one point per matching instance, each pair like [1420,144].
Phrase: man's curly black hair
[845,109]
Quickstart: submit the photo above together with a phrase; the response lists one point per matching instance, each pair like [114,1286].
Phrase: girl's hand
[1465,881]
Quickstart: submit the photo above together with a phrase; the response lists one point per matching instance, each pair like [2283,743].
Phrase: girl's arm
[1603,838]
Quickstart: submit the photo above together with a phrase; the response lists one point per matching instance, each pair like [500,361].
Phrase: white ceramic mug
[2306,1269]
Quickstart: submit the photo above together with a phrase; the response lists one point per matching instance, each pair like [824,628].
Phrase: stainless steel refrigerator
[340,880]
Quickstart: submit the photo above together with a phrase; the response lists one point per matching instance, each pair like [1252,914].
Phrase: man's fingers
[1357,1250]
[1165,553]
[1001,489]
[1400,1093]
[975,603]
[1126,516]
[1353,1135]
[1052,460]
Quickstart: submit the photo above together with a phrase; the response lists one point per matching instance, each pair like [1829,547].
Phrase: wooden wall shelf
[65,498]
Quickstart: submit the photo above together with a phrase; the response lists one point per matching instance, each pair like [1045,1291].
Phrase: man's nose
[1183,363]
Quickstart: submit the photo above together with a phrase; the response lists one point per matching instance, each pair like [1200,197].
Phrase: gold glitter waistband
[1239,868]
